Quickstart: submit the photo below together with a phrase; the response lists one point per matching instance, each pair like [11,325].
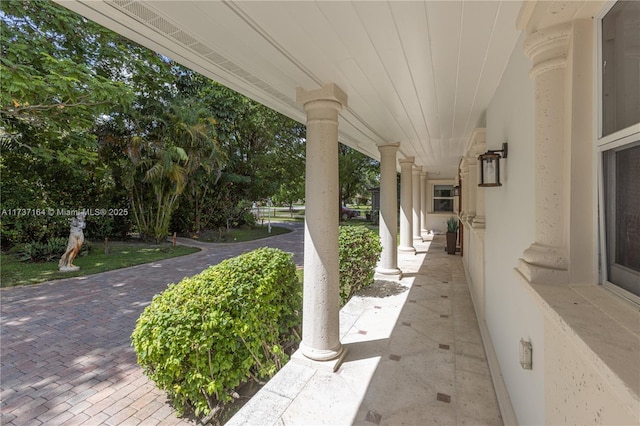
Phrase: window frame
[619,139]
[434,198]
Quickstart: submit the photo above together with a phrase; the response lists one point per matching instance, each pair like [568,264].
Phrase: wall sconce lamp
[490,166]
[456,190]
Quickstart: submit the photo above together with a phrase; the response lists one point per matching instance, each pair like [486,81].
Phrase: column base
[427,236]
[406,249]
[330,365]
[478,222]
[418,238]
[537,274]
[386,274]
[544,264]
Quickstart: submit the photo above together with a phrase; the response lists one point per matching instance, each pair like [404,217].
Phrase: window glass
[622,216]
[443,198]
[621,67]
[443,190]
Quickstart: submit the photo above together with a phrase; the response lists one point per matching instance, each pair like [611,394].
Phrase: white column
[415,187]
[406,213]
[546,259]
[473,187]
[423,201]
[464,199]
[388,265]
[478,220]
[321,304]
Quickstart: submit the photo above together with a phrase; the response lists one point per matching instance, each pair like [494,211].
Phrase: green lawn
[238,235]
[121,255]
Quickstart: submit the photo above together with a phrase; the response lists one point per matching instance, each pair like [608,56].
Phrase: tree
[263,152]
[165,150]
[357,172]
[59,73]
[91,119]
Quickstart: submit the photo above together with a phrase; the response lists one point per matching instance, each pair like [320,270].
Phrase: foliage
[54,85]
[357,172]
[452,224]
[46,252]
[264,155]
[89,119]
[204,336]
[359,250]
[58,72]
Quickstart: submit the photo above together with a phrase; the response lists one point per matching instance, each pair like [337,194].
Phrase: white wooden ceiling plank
[417,54]
[381,28]
[374,87]
[477,29]
[444,26]
[503,42]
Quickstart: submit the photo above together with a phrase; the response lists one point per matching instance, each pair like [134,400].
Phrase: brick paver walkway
[66,355]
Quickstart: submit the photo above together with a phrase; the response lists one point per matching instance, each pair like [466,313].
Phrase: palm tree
[165,154]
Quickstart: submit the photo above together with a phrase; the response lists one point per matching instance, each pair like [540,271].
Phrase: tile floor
[415,357]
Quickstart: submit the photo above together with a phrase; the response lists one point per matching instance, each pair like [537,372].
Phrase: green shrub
[359,251]
[204,336]
[48,251]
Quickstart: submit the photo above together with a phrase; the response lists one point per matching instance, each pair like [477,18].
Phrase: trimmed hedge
[204,336]
[359,251]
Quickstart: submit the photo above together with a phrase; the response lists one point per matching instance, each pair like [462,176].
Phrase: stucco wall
[474,263]
[575,392]
[510,312]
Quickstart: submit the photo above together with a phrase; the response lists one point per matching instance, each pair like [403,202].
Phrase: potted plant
[452,234]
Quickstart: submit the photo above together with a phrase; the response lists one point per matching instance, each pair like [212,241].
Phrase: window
[622,216]
[442,198]
[619,147]
[620,66]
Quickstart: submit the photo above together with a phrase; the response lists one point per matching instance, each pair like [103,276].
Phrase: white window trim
[433,198]
[601,144]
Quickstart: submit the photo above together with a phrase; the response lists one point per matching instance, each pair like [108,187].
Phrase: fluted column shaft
[546,259]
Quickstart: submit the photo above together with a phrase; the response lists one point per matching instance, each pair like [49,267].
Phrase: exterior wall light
[456,190]
[490,166]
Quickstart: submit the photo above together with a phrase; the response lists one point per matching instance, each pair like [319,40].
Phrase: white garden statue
[76,239]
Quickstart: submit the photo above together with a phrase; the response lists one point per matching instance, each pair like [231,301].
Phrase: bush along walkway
[66,347]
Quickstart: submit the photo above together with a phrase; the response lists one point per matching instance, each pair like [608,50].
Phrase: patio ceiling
[419,73]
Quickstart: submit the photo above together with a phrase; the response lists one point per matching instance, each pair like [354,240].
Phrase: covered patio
[414,356]
[426,87]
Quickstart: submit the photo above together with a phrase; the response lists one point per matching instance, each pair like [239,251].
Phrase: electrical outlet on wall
[526,354]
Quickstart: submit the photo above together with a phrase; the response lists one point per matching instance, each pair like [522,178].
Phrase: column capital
[472,160]
[328,92]
[416,170]
[548,48]
[423,173]
[406,162]
[389,145]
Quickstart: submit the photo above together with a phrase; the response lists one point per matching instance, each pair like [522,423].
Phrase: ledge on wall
[603,328]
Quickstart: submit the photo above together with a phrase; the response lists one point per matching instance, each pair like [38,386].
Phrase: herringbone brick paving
[66,355]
